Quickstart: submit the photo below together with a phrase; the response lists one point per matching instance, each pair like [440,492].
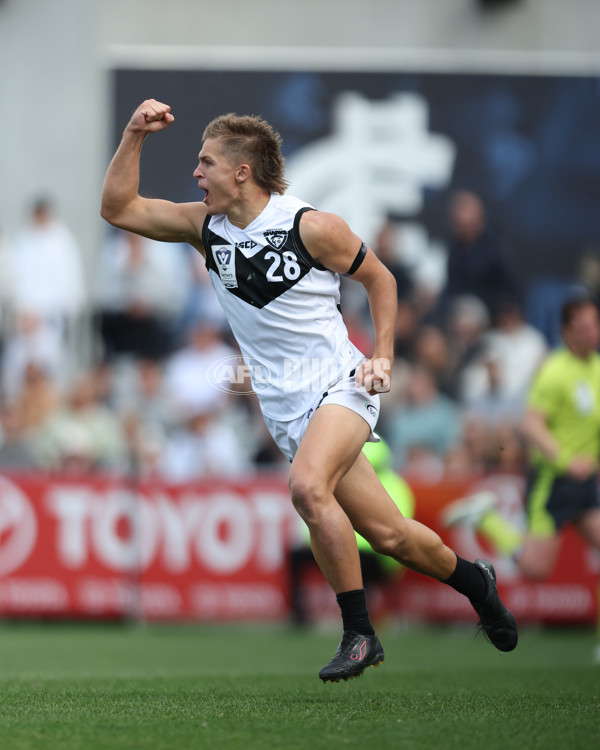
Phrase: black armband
[360,256]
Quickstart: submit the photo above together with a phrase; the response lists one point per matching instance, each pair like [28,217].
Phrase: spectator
[142,289]
[144,447]
[510,454]
[142,392]
[84,429]
[476,442]
[407,322]
[45,267]
[15,447]
[203,446]
[428,420]
[387,251]
[467,322]
[458,462]
[495,406]
[476,263]
[188,371]
[38,399]
[432,349]
[32,340]
[517,348]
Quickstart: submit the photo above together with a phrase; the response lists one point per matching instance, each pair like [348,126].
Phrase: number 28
[291,269]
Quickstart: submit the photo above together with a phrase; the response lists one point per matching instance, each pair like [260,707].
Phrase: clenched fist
[150,117]
[374,375]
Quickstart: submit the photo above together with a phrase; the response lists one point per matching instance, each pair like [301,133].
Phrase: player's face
[216,176]
[583,332]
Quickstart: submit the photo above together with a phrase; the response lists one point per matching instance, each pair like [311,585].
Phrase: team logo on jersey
[224,256]
[371,409]
[276,237]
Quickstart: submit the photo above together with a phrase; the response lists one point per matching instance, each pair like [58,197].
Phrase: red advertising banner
[217,550]
[570,595]
[104,549]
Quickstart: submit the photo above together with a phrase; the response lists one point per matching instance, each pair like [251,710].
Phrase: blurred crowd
[143,400]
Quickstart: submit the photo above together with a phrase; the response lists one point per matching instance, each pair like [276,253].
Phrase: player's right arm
[123,207]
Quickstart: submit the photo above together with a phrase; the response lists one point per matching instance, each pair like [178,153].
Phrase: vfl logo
[371,409]
[276,237]
[224,256]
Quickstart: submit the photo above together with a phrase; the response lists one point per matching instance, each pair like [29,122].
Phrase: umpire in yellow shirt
[562,424]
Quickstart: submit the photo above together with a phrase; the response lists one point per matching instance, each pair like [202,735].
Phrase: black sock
[467,579]
[355,615]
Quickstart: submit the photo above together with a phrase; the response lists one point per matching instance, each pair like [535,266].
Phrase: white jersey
[283,307]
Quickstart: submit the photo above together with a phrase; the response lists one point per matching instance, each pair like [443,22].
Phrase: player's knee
[534,570]
[536,560]
[390,541]
[307,497]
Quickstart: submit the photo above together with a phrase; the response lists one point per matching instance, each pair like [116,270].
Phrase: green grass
[92,687]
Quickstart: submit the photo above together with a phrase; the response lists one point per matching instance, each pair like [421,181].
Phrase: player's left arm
[332,243]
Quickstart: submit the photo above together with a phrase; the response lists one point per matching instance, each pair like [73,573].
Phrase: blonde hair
[252,140]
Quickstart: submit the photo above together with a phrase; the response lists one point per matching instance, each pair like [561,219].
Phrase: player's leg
[548,497]
[589,527]
[333,439]
[376,517]
[538,556]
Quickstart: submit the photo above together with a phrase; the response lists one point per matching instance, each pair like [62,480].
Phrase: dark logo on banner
[276,237]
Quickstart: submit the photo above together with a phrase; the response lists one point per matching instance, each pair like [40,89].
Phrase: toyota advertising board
[104,549]
[217,550]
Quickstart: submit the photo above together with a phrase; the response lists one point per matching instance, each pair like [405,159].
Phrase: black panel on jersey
[268,273]
[299,242]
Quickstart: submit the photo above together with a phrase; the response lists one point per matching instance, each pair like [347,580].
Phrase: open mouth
[205,195]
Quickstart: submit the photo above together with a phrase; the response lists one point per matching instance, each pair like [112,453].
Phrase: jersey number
[291,269]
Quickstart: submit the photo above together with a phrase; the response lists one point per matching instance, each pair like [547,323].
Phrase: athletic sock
[355,615]
[467,579]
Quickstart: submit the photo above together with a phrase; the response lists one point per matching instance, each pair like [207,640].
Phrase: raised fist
[150,117]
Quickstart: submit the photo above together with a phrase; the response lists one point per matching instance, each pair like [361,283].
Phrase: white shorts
[288,435]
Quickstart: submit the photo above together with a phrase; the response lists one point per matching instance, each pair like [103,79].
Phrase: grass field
[251,687]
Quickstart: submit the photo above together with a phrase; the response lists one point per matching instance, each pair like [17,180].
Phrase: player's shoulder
[196,214]
[323,227]
[283,210]
[288,202]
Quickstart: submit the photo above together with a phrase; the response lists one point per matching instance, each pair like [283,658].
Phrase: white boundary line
[344,59]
